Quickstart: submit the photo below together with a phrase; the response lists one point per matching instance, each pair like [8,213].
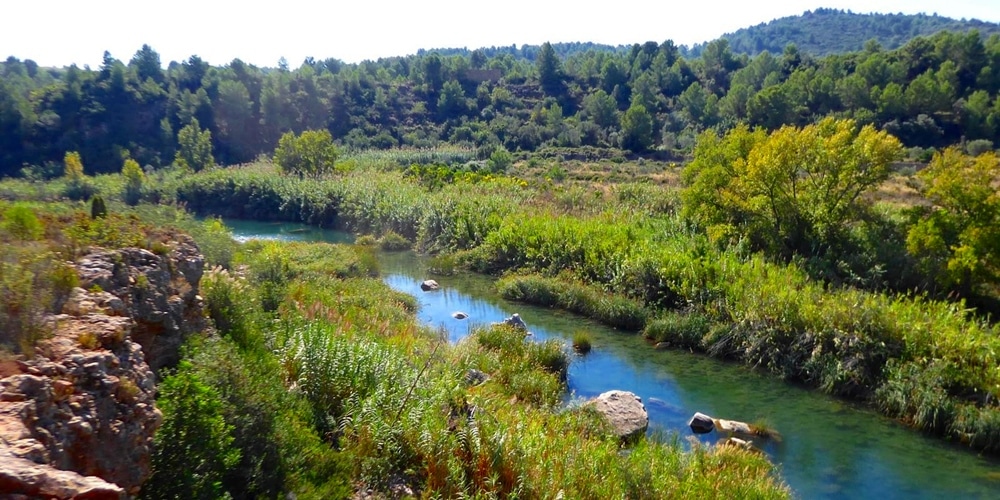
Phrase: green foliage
[135,179]
[957,241]
[393,242]
[98,208]
[310,154]
[30,282]
[679,330]
[637,128]
[823,32]
[194,148]
[618,312]
[790,191]
[78,186]
[193,449]
[582,342]
[73,171]
[21,222]
[500,160]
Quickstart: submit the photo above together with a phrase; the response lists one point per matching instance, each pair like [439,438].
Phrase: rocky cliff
[77,418]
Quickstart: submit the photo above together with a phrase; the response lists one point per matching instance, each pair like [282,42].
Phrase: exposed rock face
[625,411]
[83,405]
[26,479]
[160,293]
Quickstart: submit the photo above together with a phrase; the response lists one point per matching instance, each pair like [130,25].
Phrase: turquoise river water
[830,449]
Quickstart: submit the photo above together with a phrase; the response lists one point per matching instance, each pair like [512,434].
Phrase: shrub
[311,153]
[98,208]
[21,222]
[193,449]
[393,242]
[134,181]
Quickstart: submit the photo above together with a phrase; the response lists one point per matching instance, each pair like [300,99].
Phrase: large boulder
[624,411]
[428,285]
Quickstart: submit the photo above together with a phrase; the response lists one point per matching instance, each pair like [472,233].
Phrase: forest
[932,92]
[831,31]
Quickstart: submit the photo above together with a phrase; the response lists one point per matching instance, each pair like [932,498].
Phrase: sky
[64,32]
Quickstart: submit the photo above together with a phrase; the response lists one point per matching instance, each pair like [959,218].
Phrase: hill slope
[828,31]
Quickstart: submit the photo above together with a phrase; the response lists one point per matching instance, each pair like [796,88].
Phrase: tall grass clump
[582,342]
[685,330]
[613,310]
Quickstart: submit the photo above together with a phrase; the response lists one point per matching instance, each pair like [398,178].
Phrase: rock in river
[459,315]
[701,423]
[624,411]
[428,285]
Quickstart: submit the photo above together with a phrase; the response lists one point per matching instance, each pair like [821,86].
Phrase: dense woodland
[932,92]
[831,31]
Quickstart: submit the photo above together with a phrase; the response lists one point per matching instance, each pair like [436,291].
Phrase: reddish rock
[77,419]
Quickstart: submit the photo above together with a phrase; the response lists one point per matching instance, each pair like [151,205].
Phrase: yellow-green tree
[134,180]
[793,191]
[957,240]
[73,170]
[77,186]
[310,154]
[194,147]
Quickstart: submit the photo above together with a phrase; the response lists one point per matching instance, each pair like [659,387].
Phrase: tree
[793,191]
[146,62]
[637,128]
[601,108]
[77,185]
[194,148]
[957,240]
[549,70]
[310,154]
[134,179]
[452,103]
[73,170]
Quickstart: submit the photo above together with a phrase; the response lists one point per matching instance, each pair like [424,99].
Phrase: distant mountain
[829,31]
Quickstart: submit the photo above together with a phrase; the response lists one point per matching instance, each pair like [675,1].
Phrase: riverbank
[925,362]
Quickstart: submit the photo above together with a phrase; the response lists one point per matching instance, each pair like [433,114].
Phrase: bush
[21,222]
[193,449]
[98,208]
[393,242]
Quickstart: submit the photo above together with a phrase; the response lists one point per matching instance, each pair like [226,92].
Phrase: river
[830,448]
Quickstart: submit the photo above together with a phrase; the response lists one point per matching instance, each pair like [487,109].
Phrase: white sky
[61,32]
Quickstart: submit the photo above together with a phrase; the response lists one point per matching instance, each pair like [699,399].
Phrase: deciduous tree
[310,154]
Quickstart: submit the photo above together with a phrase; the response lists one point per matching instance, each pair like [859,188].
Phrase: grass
[617,253]
[582,342]
[396,398]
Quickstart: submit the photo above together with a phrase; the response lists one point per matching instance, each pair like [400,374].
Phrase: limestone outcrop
[77,417]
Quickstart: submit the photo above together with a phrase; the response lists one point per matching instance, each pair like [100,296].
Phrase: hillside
[830,31]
